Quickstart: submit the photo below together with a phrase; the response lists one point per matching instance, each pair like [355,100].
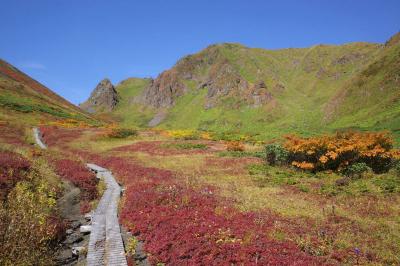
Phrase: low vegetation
[120,133]
[29,226]
[186,146]
[340,151]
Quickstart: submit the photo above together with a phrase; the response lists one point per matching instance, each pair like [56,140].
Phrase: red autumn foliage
[85,207]
[130,172]
[13,168]
[12,134]
[79,175]
[54,136]
[182,226]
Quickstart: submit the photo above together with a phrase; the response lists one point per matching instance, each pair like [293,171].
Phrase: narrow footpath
[38,138]
[105,244]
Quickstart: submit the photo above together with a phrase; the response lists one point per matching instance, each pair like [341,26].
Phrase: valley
[234,156]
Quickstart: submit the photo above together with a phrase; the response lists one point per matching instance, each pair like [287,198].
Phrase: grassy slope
[304,83]
[298,108]
[26,100]
[371,99]
[127,111]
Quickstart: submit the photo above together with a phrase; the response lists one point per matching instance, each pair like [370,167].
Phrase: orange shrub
[234,146]
[342,149]
[68,123]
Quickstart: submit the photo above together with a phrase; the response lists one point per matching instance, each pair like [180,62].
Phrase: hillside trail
[105,243]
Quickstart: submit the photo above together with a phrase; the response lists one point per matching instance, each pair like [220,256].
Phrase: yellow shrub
[68,123]
[206,136]
[234,146]
[183,134]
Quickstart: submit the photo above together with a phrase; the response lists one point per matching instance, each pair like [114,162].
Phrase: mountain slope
[230,87]
[371,98]
[27,100]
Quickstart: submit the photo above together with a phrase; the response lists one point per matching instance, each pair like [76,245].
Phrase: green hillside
[305,90]
[25,100]
[128,112]
[370,100]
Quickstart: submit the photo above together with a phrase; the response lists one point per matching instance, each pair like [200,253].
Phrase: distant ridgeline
[233,88]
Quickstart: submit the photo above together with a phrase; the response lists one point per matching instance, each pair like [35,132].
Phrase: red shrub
[54,136]
[13,168]
[85,207]
[12,134]
[79,175]
[181,226]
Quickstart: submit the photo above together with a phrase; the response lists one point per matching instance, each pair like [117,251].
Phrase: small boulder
[73,238]
[76,251]
[85,229]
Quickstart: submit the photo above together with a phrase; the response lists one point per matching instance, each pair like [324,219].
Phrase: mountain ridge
[232,87]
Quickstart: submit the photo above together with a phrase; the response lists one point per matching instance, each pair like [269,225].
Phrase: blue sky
[71,45]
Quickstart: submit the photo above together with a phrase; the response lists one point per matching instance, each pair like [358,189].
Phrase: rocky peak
[211,69]
[103,98]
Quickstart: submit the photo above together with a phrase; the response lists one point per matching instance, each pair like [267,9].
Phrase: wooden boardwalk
[38,138]
[105,244]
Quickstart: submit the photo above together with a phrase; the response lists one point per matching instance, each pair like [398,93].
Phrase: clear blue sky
[70,45]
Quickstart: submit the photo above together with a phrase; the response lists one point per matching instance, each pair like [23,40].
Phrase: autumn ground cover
[308,216]
[30,226]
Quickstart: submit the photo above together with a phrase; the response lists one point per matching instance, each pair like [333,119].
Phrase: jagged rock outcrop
[211,70]
[103,98]
[163,91]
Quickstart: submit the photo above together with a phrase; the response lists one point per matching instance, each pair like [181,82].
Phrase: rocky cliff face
[211,70]
[103,98]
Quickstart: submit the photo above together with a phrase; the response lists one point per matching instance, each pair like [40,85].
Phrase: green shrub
[397,167]
[276,154]
[356,170]
[122,133]
[388,183]
[186,146]
[240,154]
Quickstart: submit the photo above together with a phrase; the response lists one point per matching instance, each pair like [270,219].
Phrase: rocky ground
[70,212]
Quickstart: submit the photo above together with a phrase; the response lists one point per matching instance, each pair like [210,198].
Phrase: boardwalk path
[38,138]
[105,243]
